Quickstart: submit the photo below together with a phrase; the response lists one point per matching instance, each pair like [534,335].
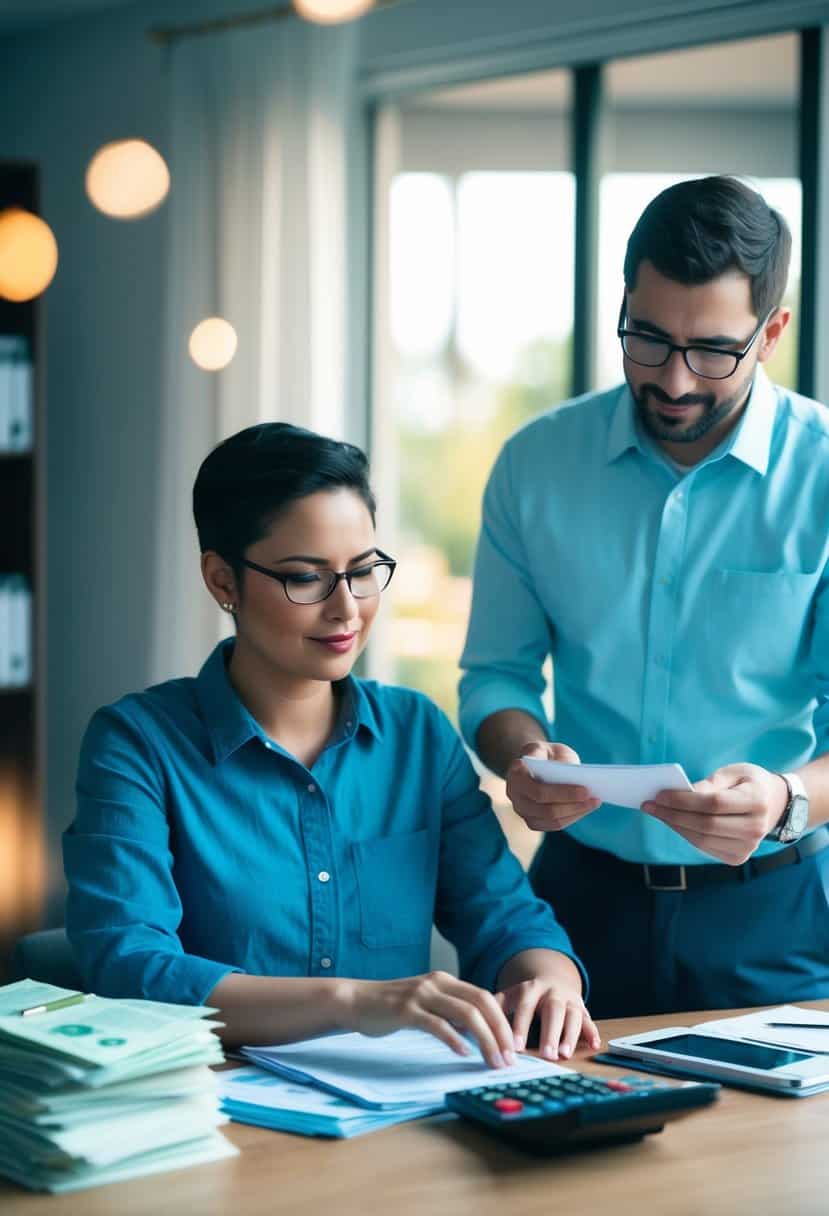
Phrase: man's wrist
[780,803]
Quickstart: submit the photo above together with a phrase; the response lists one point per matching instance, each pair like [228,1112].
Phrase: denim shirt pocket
[764,615]
[396,886]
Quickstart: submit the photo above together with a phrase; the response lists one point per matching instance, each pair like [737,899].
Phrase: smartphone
[679,1049]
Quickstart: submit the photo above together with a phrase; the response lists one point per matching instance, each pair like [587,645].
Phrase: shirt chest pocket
[761,617]
[396,889]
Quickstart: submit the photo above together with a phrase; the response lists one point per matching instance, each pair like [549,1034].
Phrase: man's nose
[676,377]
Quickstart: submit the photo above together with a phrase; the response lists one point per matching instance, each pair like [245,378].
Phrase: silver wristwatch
[795,819]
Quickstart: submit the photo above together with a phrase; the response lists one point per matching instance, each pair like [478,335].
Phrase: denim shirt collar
[230,725]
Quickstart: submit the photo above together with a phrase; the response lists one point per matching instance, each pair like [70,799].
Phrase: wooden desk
[749,1155]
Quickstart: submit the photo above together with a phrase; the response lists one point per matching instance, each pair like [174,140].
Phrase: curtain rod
[165,35]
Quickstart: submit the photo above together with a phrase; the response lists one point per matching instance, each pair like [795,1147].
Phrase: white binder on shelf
[16,394]
[20,631]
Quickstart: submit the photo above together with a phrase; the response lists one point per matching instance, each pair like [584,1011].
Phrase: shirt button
[312,789]
[325,962]
[323,876]
[651,738]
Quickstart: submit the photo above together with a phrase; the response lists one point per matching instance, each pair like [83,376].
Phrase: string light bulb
[28,255]
[213,344]
[127,179]
[331,12]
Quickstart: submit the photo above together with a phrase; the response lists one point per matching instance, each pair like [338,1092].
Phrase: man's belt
[689,878]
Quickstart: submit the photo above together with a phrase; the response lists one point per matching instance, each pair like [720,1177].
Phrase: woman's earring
[228,607]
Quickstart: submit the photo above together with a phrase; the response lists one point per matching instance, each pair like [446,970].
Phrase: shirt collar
[752,437]
[622,434]
[751,441]
[230,725]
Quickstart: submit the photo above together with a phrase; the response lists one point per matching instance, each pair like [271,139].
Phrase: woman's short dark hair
[695,231]
[247,480]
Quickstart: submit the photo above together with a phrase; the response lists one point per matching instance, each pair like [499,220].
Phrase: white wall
[70,87]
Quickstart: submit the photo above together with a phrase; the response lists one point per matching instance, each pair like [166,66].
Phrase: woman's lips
[340,643]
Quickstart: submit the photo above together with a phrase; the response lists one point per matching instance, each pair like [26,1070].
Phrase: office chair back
[46,956]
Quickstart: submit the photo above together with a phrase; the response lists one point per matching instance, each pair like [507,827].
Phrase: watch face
[797,819]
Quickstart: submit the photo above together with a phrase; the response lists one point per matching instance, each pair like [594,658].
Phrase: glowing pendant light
[330,12]
[28,254]
[213,344]
[127,179]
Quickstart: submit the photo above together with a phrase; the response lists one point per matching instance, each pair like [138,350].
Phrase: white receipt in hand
[622,784]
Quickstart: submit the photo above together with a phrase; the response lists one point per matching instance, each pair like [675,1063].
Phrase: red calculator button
[508,1106]
[621,1087]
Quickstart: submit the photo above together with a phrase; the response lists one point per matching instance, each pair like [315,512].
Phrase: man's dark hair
[698,230]
[246,481]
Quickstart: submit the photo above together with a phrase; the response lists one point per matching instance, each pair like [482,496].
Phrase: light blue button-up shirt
[687,615]
[201,847]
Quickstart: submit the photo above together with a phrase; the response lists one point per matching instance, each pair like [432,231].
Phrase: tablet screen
[749,1055]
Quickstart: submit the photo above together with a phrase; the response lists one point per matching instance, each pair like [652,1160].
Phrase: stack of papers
[345,1084]
[254,1095]
[103,1090]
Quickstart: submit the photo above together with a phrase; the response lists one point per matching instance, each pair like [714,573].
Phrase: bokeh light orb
[330,12]
[28,254]
[127,179]
[213,344]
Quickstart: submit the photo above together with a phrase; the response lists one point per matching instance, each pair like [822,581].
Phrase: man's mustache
[653,390]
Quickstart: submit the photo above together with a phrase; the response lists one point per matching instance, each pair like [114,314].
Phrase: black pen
[799,1025]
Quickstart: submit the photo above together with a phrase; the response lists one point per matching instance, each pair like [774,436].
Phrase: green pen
[62,1003]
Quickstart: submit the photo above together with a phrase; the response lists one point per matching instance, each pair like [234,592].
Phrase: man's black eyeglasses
[314,586]
[709,362]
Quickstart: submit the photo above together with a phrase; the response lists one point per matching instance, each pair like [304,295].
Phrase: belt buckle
[682,885]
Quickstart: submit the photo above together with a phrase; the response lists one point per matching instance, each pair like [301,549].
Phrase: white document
[756,1028]
[391,1072]
[621,784]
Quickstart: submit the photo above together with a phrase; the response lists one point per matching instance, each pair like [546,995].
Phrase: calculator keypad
[549,1095]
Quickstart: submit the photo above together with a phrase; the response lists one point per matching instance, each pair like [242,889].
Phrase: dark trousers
[764,941]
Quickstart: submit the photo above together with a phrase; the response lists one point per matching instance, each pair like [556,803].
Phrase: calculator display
[728,1051]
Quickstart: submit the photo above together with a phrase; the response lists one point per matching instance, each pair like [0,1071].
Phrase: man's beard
[674,430]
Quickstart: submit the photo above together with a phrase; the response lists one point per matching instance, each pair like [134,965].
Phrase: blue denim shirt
[687,615]
[201,847]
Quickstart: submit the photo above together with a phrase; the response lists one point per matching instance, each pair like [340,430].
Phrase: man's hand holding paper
[727,814]
[546,806]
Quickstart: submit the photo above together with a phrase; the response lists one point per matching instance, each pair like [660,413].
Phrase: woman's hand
[437,1003]
[547,985]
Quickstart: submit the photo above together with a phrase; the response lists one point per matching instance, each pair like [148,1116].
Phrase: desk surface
[749,1154]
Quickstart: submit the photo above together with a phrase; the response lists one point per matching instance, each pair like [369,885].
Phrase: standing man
[667,542]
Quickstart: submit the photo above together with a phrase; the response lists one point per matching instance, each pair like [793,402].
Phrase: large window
[480,214]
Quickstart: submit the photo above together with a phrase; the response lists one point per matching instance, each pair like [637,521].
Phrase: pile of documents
[345,1084]
[95,1090]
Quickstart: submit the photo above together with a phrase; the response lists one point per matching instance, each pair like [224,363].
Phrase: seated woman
[275,837]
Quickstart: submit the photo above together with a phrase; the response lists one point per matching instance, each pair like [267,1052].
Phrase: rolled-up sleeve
[509,635]
[123,910]
[485,905]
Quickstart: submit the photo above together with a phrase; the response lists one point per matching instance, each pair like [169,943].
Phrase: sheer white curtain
[257,235]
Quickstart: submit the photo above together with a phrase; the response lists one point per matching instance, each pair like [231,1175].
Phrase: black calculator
[573,1110]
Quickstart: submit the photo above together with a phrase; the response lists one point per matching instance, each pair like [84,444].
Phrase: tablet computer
[781,1070]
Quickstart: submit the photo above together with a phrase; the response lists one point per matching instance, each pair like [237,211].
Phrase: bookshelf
[21,565]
